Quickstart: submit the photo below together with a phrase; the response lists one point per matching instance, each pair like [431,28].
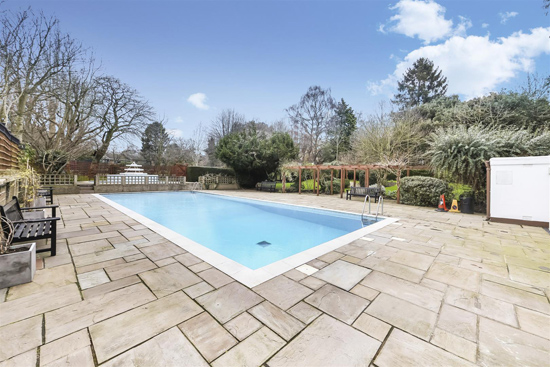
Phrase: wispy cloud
[175,133]
[179,119]
[485,25]
[198,100]
[504,17]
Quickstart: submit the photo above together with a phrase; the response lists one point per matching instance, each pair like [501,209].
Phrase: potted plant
[17,263]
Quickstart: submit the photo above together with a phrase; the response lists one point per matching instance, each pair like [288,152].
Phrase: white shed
[520,190]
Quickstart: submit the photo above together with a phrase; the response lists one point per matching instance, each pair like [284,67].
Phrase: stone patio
[433,289]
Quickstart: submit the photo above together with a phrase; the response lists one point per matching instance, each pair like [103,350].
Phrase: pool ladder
[196,186]
[380,201]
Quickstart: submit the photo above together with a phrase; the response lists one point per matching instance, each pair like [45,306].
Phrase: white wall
[520,188]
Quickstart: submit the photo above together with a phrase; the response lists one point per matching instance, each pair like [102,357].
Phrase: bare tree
[226,122]
[198,143]
[310,118]
[32,52]
[123,113]
[61,124]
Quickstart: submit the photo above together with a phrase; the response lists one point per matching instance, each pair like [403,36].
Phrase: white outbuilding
[519,190]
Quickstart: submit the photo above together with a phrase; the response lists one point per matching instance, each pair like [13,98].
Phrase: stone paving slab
[402,349]
[282,292]
[38,303]
[340,304]
[404,315]
[71,318]
[44,279]
[20,337]
[169,348]
[502,345]
[209,337]
[229,301]
[342,274]
[277,320]
[327,342]
[243,325]
[120,333]
[110,286]
[169,279]
[64,346]
[411,292]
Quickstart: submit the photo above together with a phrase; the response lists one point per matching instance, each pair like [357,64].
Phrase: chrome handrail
[367,198]
[380,200]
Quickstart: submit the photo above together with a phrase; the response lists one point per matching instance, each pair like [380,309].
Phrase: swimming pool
[251,233]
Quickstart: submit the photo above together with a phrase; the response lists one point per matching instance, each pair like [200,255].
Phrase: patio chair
[47,193]
[28,229]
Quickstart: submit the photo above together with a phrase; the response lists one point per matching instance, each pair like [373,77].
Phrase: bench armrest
[40,207]
[53,219]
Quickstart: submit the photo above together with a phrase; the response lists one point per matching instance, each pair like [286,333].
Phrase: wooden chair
[30,230]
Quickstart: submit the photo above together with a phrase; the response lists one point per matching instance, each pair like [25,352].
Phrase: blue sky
[259,57]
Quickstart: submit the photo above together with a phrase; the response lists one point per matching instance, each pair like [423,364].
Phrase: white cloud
[505,16]
[175,133]
[424,19]
[198,100]
[475,65]
[463,25]
[179,119]
[485,25]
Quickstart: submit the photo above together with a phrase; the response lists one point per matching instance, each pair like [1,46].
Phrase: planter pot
[18,267]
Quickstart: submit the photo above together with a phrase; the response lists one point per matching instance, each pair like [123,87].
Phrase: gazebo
[316,169]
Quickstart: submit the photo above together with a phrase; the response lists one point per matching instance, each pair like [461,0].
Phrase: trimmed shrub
[424,191]
[194,172]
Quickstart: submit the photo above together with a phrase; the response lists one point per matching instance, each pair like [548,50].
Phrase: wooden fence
[9,149]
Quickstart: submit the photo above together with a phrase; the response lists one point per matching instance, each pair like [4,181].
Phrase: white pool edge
[239,272]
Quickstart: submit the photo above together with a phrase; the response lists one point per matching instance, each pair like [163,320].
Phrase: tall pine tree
[154,142]
[339,131]
[421,83]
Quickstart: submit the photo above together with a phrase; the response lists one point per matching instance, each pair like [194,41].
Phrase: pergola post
[341,183]
[283,180]
[408,172]
[300,180]
[398,186]
[354,171]
[331,177]
[367,177]
[318,176]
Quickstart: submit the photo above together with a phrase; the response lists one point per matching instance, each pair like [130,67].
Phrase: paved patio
[434,289]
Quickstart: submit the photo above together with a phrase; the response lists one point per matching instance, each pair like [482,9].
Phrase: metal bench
[31,229]
[269,186]
[372,192]
[47,193]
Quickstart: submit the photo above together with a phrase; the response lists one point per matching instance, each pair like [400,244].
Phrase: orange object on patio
[442,206]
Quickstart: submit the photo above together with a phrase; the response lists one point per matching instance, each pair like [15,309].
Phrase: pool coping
[237,271]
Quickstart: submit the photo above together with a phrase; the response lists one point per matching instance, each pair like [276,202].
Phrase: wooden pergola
[344,169]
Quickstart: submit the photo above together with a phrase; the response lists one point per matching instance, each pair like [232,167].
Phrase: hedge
[194,172]
[424,191]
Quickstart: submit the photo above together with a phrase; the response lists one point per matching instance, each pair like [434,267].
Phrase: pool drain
[263,244]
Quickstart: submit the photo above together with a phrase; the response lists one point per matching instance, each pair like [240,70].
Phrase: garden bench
[269,186]
[372,192]
[31,229]
[47,193]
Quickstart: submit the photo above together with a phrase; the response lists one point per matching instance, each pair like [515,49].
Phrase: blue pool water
[250,232]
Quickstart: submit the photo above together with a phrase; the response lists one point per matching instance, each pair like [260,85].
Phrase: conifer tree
[421,83]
